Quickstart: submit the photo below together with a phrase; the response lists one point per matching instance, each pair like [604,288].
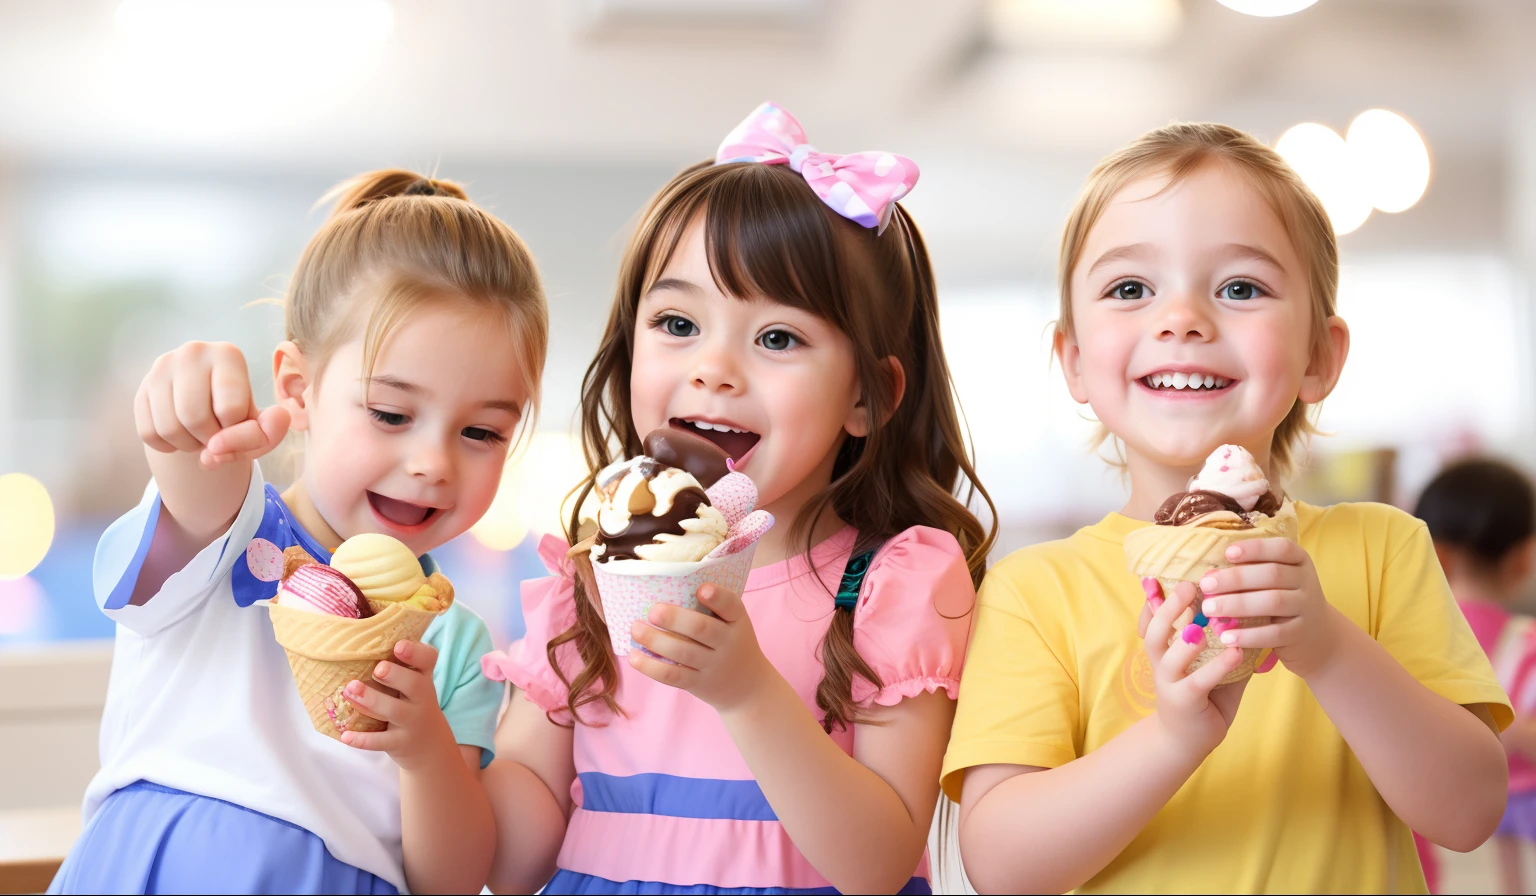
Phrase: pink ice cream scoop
[321,589]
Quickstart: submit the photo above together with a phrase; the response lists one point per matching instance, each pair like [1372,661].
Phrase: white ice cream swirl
[1232,471]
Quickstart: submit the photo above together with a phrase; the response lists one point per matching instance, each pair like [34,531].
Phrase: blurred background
[160,161]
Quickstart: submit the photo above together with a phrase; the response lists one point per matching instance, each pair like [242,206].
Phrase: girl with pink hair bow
[779,302]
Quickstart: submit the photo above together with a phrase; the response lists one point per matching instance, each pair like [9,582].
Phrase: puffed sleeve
[549,608]
[914,617]
[123,548]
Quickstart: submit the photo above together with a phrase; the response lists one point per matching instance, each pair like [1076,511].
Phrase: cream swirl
[1232,471]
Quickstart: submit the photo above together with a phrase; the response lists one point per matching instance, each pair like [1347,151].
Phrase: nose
[716,368]
[1184,317]
[429,461]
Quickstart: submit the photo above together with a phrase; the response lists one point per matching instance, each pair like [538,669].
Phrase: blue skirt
[151,839]
[573,883]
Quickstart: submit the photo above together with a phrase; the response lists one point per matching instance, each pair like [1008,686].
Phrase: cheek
[651,383]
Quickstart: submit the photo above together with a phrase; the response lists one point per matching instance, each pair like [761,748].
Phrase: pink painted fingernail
[1157,604]
[1152,588]
[1208,584]
[1193,634]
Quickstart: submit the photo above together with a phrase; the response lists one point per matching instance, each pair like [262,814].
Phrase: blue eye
[388,418]
[680,327]
[1129,290]
[778,340]
[1241,291]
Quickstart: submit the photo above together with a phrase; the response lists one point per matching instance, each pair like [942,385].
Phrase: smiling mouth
[734,442]
[401,514]
[1181,381]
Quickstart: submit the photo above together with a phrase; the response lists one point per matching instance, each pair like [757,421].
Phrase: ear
[1450,562]
[290,378]
[1070,357]
[857,424]
[1519,563]
[1323,373]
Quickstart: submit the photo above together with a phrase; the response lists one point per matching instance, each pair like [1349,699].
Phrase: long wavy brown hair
[767,235]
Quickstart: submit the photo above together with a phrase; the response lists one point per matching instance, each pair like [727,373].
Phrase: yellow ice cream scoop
[381,567]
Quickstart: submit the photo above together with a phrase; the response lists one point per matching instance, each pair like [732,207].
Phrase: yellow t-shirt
[1055,670]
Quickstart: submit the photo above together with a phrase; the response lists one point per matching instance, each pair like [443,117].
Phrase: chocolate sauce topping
[699,456]
[644,527]
[1183,507]
[1269,504]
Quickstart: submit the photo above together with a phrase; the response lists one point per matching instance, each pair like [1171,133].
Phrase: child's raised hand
[1274,577]
[718,657]
[198,399]
[418,731]
[1191,706]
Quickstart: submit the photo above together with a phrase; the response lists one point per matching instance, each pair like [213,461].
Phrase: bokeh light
[1319,155]
[533,492]
[1267,8]
[21,604]
[26,524]
[1030,24]
[1390,159]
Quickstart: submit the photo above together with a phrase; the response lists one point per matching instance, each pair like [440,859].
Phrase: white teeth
[1210,381]
[1180,380]
[715,427]
[1186,381]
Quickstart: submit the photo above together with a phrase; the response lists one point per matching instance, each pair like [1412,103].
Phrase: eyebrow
[1130,251]
[1242,250]
[673,284]
[409,388]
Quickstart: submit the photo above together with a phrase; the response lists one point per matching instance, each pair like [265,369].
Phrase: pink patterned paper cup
[628,588]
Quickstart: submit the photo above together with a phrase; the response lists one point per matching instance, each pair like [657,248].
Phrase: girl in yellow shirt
[1083,756]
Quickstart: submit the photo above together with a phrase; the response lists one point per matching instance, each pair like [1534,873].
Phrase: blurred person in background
[1482,516]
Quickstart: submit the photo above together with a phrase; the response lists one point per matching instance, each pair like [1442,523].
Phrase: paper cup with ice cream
[1227,502]
[337,622]
[668,522]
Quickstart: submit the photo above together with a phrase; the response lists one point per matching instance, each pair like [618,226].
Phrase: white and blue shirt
[201,698]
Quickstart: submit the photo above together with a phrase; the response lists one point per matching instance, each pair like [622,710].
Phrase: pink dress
[663,800]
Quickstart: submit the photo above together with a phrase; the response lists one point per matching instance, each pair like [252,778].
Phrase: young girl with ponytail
[778,302]
[416,332]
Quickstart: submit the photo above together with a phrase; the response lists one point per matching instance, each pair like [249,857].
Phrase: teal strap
[853,579]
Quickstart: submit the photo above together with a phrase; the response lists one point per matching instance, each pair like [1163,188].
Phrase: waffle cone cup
[327,652]
[1174,554]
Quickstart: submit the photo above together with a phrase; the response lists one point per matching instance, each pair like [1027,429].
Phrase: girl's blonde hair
[406,240]
[1178,150]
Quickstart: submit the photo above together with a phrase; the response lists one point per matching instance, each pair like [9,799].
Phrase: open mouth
[735,442]
[401,514]
[1185,381]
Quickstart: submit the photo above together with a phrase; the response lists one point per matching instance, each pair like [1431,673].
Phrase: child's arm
[529,785]
[1520,738]
[1024,829]
[862,821]
[1439,767]
[447,830]
[189,396]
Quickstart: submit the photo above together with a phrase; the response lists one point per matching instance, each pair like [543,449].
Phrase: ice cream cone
[327,652]
[1174,554]
[628,588]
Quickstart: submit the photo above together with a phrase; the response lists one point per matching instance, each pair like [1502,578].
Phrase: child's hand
[198,399]
[1275,577]
[718,658]
[1191,706]
[418,732]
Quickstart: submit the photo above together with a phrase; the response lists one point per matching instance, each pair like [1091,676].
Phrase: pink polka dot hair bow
[862,187]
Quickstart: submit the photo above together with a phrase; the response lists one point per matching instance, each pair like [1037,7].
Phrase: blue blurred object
[55,603]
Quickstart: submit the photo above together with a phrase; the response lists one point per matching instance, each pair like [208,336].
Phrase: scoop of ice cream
[648,510]
[383,568]
[1232,471]
[321,589]
[700,457]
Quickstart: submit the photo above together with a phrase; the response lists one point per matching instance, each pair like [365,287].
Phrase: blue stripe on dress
[675,797]
[572,882]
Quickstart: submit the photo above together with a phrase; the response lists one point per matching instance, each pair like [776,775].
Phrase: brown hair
[767,235]
[405,240]
[1176,151]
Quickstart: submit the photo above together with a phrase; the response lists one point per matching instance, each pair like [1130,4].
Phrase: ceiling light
[1390,159]
[1267,8]
[1319,155]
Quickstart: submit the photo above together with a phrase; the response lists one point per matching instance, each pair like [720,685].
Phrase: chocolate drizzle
[1184,507]
[643,528]
[700,457]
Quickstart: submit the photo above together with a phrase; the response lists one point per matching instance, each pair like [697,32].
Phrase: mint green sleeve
[470,701]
